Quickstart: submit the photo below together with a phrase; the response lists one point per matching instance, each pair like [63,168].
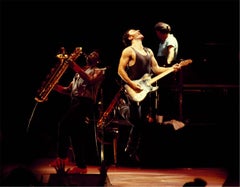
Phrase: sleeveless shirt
[141,66]
[81,88]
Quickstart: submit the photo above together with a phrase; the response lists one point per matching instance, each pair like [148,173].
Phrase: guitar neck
[154,79]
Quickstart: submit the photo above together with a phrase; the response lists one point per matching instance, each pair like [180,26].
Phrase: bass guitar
[146,83]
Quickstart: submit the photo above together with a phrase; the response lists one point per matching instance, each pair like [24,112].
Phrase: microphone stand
[30,119]
[100,107]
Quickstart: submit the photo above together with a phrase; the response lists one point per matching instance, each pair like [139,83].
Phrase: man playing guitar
[135,61]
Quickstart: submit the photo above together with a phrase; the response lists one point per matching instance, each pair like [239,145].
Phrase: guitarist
[135,61]
[166,97]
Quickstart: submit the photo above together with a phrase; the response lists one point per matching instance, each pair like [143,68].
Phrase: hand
[135,86]
[176,67]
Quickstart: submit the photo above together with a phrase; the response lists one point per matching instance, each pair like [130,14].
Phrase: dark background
[32,33]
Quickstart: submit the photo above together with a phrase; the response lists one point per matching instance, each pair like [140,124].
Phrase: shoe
[59,161]
[77,170]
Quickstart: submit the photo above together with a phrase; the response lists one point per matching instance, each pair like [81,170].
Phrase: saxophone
[56,73]
[105,117]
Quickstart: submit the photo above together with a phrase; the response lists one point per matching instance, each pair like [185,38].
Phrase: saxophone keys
[62,56]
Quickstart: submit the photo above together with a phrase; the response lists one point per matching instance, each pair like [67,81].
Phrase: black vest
[141,66]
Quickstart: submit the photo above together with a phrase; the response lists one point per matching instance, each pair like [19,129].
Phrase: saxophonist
[73,127]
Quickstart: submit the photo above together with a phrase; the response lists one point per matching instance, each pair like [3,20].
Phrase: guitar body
[147,88]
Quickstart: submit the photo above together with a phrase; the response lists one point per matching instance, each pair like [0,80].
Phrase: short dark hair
[125,39]
[162,27]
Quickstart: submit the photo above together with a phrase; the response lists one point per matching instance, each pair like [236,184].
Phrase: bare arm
[155,67]
[90,78]
[158,69]
[123,63]
[66,90]
[127,57]
[76,68]
[170,56]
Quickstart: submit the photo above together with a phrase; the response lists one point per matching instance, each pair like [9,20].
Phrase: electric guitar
[146,83]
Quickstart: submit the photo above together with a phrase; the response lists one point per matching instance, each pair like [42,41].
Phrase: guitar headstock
[185,62]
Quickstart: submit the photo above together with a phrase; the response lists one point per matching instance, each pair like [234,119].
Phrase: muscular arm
[127,58]
[90,78]
[123,63]
[76,68]
[158,69]
[63,89]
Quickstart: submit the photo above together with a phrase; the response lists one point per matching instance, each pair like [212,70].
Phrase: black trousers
[73,129]
[138,118]
[168,97]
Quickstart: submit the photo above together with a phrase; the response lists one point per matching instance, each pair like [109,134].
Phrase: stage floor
[133,176]
[168,158]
